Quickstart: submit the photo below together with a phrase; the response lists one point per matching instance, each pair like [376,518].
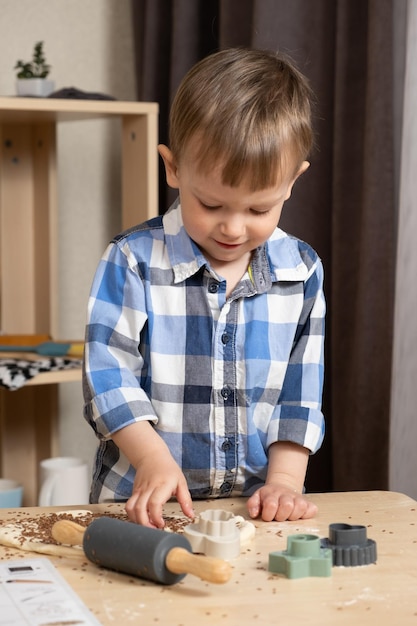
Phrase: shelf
[18,110]
[45,378]
[62,376]
[28,263]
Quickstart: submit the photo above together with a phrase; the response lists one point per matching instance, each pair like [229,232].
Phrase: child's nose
[233,227]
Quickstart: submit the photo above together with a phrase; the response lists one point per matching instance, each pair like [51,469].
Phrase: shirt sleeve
[298,417]
[113,371]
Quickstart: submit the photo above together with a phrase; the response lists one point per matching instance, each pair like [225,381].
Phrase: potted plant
[32,76]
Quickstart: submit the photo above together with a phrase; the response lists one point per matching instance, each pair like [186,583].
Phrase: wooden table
[381,593]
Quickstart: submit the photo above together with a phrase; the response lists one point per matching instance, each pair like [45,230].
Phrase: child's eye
[208,206]
[256,212]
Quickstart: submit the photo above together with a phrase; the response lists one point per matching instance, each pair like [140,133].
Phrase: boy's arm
[158,477]
[281,497]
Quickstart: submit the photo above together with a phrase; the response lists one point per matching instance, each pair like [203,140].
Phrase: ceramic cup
[11,494]
[64,480]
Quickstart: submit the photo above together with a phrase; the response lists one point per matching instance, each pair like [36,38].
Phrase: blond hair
[250,111]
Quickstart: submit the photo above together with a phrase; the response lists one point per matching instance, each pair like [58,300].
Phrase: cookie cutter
[303,557]
[350,545]
[214,534]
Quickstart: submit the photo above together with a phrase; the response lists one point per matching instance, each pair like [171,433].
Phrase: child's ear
[303,167]
[170,166]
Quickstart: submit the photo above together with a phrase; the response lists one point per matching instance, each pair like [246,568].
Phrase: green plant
[37,68]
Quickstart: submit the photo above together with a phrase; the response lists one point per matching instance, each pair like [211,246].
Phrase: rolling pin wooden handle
[68,532]
[213,570]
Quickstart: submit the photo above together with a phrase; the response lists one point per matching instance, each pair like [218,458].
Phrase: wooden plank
[61,376]
[139,169]
[27,110]
[17,216]
[45,228]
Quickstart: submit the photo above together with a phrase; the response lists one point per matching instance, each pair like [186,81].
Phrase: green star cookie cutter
[303,557]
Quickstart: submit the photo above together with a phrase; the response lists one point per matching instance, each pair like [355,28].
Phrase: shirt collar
[277,260]
[284,257]
[185,256]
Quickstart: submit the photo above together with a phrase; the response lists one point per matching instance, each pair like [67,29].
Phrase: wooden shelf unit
[28,262]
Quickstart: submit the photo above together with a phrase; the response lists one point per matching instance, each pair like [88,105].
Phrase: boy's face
[227,223]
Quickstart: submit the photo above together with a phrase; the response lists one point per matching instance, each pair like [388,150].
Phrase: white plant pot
[38,87]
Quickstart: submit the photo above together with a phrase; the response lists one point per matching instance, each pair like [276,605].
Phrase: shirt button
[225,338]
[225,392]
[226,445]
[213,287]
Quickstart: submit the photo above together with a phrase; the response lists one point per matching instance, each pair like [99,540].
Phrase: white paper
[32,592]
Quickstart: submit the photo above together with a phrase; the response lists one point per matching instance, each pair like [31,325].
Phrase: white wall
[89,45]
[403,457]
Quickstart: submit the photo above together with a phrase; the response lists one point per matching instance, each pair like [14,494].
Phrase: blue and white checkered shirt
[221,379]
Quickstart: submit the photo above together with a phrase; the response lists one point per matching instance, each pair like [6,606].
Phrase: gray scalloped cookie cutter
[350,545]
[215,534]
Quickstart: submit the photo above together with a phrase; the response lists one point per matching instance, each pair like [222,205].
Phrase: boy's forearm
[287,465]
[139,440]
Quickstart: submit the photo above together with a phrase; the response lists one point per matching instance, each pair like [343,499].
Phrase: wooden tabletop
[381,593]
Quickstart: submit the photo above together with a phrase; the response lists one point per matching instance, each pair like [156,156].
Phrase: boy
[203,366]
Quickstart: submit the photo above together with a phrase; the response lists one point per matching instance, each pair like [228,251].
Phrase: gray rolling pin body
[132,549]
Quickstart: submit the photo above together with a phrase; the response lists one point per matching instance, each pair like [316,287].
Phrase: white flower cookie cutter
[219,533]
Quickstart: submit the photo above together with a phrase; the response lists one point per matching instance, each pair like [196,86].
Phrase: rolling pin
[141,551]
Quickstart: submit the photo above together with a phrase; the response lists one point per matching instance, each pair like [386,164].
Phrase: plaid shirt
[221,379]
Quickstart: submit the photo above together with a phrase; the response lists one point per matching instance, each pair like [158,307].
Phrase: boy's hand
[158,476]
[280,499]
[156,481]
[279,503]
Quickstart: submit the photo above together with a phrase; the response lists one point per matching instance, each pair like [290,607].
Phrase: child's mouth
[228,246]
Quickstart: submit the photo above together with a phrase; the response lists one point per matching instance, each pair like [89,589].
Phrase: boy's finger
[254,505]
[154,511]
[311,511]
[184,499]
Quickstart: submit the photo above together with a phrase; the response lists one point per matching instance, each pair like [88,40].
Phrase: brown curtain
[344,205]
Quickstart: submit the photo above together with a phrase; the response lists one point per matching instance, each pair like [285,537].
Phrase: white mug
[64,481]
[11,493]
